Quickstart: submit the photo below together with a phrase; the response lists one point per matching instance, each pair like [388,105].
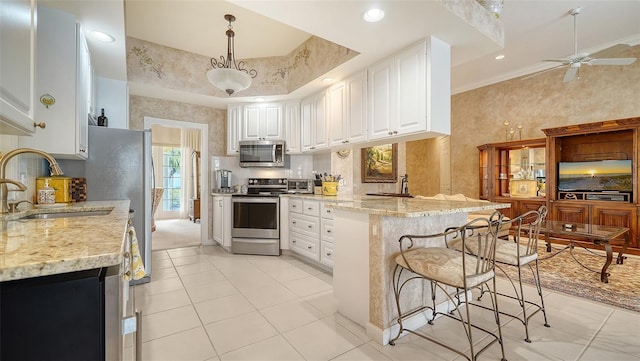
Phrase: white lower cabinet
[311,230]
[222,221]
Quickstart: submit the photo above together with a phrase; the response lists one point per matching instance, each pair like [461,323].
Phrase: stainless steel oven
[256,217]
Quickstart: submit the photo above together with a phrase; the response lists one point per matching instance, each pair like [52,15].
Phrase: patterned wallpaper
[166,67]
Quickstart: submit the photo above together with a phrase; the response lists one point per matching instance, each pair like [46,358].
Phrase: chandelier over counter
[226,74]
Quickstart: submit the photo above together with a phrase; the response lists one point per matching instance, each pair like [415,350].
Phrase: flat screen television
[602,175]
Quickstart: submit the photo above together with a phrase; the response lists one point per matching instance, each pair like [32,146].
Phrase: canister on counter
[61,186]
[46,194]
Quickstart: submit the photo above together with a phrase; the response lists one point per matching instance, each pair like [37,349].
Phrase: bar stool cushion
[506,251]
[443,265]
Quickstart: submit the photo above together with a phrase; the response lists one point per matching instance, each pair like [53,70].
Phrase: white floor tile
[292,314]
[322,340]
[239,331]
[210,291]
[222,308]
[324,301]
[271,295]
[159,286]
[307,286]
[169,322]
[163,273]
[191,344]
[362,353]
[183,252]
[202,278]
[275,348]
[163,301]
[195,268]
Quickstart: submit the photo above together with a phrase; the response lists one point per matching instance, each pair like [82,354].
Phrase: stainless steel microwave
[263,153]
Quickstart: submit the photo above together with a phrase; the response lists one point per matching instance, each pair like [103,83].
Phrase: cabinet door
[621,216]
[528,205]
[234,117]
[380,97]
[306,124]
[338,121]
[83,94]
[320,124]
[411,110]
[218,219]
[292,127]
[17,64]
[251,123]
[570,212]
[356,88]
[271,123]
[61,46]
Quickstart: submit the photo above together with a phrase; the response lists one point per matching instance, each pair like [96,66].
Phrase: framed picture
[379,164]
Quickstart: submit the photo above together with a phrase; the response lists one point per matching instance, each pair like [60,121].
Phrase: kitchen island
[41,247]
[366,235]
[62,291]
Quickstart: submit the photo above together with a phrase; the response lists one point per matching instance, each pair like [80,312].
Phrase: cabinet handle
[293,241]
[328,211]
[310,208]
[390,133]
[40,125]
[310,226]
[293,222]
[328,253]
[294,206]
[328,231]
[395,132]
[308,247]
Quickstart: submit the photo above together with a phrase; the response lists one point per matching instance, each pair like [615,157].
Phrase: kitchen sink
[103,212]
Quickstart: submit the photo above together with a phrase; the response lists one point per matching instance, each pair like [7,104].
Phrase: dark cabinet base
[59,317]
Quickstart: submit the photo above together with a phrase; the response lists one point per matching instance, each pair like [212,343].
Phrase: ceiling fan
[575,61]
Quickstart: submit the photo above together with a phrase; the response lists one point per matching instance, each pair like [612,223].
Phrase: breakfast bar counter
[366,235]
[46,246]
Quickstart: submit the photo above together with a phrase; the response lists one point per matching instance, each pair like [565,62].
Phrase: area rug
[562,273]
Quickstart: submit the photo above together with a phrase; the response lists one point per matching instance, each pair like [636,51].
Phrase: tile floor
[206,304]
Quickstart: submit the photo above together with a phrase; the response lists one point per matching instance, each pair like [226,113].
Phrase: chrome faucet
[53,167]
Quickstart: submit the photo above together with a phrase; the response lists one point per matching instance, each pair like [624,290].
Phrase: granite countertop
[40,247]
[319,197]
[411,207]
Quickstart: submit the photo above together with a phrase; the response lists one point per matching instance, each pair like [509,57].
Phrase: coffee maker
[223,180]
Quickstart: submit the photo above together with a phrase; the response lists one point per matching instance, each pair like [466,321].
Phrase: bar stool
[452,272]
[520,252]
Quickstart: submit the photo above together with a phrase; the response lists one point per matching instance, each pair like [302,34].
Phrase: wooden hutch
[525,174]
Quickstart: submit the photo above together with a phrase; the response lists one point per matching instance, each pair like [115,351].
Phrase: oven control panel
[262,182]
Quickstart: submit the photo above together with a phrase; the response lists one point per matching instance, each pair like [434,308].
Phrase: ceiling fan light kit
[575,61]
[227,75]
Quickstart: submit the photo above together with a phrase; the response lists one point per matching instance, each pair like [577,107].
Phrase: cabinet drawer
[326,212]
[295,205]
[307,225]
[326,230]
[311,208]
[326,254]
[304,245]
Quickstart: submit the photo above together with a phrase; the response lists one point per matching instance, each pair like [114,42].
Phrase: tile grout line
[595,334]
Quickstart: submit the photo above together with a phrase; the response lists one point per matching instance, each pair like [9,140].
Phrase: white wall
[113,96]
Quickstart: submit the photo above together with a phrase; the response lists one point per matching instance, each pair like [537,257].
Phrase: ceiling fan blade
[543,71]
[611,61]
[570,74]
[563,61]
[611,51]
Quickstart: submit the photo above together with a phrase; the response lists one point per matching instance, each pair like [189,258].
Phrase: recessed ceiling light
[500,57]
[373,15]
[101,36]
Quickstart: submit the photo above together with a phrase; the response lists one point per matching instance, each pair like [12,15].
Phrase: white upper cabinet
[63,73]
[292,127]
[262,122]
[410,92]
[17,66]
[314,125]
[348,111]
[234,116]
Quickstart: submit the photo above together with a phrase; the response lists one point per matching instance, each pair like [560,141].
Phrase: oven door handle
[255,199]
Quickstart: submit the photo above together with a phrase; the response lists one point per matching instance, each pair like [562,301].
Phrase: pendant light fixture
[226,74]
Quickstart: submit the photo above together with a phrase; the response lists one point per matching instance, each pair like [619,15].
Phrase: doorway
[173,144]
